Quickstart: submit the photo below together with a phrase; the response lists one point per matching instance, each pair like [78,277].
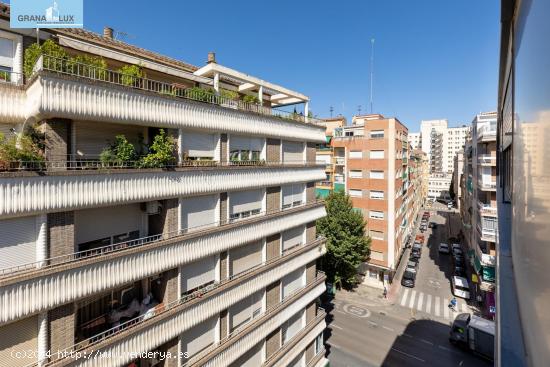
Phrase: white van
[461,288]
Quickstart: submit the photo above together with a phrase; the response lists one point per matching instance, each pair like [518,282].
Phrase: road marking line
[404,298]
[437,303]
[387,328]
[426,341]
[373,323]
[335,310]
[408,355]
[444,348]
[446,308]
[413,296]
[420,299]
[407,335]
[429,304]
[336,326]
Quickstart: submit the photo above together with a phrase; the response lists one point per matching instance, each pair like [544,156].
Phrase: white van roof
[460,282]
[479,323]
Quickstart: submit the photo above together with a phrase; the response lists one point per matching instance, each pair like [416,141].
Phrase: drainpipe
[41,240]
[42,339]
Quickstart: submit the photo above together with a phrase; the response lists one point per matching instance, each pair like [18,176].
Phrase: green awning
[339,187]
[328,139]
[322,193]
[488,273]
[477,265]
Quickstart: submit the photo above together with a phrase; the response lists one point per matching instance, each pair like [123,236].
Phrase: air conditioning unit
[153,207]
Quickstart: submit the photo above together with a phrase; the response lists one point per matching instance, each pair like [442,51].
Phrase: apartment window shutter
[293,152]
[356,154]
[6,52]
[243,201]
[293,281]
[90,140]
[292,326]
[245,257]
[292,195]
[245,143]
[199,212]
[19,336]
[376,154]
[199,337]
[355,193]
[17,241]
[252,358]
[246,310]
[198,145]
[198,273]
[293,237]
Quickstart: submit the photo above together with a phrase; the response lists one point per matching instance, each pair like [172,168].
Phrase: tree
[161,152]
[347,245]
[452,192]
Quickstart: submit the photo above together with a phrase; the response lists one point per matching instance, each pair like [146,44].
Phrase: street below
[411,328]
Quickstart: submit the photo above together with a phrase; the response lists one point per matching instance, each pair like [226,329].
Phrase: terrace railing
[81,70]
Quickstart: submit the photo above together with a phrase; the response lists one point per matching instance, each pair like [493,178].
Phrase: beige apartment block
[210,256]
[374,166]
[325,155]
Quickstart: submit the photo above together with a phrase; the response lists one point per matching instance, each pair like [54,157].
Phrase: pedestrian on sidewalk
[385,293]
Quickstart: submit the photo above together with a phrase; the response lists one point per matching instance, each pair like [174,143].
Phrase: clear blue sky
[433,58]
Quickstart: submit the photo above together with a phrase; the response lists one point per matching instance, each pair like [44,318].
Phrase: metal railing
[86,343]
[81,70]
[324,183]
[233,334]
[487,132]
[487,159]
[116,247]
[484,185]
[11,77]
[96,164]
[486,209]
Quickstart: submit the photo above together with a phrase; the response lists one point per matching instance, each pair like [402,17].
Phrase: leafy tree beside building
[347,245]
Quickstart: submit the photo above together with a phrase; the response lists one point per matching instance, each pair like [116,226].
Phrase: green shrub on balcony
[161,152]
[4,76]
[251,99]
[121,152]
[131,75]
[34,51]
[94,67]
[200,94]
[20,152]
[229,94]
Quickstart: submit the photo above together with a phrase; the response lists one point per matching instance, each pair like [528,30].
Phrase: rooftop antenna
[331,110]
[371,70]
[120,35]
[359,109]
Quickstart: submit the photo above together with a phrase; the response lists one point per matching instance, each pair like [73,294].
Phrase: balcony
[232,347]
[326,184]
[339,161]
[37,192]
[486,185]
[487,234]
[59,90]
[486,209]
[486,160]
[86,273]
[487,133]
[147,333]
[11,77]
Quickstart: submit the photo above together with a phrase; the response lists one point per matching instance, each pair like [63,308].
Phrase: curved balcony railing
[175,90]
[185,298]
[73,164]
[139,242]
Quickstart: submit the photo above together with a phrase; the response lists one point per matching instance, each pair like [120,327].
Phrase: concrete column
[42,240]
[306,110]
[180,146]
[42,339]
[217,83]
[261,94]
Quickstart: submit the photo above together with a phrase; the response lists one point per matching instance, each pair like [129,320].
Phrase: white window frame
[355,173]
[356,193]
[376,172]
[373,214]
[376,197]
[376,154]
[355,154]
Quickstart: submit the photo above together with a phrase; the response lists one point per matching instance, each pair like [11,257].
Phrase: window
[355,193]
[356,154]
[375,214]
[374,194]
[243,148]
[6,59]
[377,134]
[293,195]
[376,175]
[319,344]
[292,326]
[244,204]
[376,154]
[293,152]
[293,237]
[355,174]
[198,146]
[376,235]
[377,255]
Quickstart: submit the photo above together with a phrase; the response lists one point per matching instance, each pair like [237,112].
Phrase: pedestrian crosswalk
[433,305]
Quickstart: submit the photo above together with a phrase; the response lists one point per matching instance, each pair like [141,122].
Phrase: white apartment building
[441,143]
[415,140]
[206,250]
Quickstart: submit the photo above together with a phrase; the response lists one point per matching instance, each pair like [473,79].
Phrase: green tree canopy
[347,245]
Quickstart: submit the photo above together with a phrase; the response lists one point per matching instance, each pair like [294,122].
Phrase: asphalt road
[364,332]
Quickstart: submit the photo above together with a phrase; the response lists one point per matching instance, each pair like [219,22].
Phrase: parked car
[444,248]
[459,271]
[458,260]
[455,245]
[408,278]
[427,214]
[412,265]
[432,225]
[416,254]
[417,246]
[413,258]
[461,288]
[422,228]
[458,251]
